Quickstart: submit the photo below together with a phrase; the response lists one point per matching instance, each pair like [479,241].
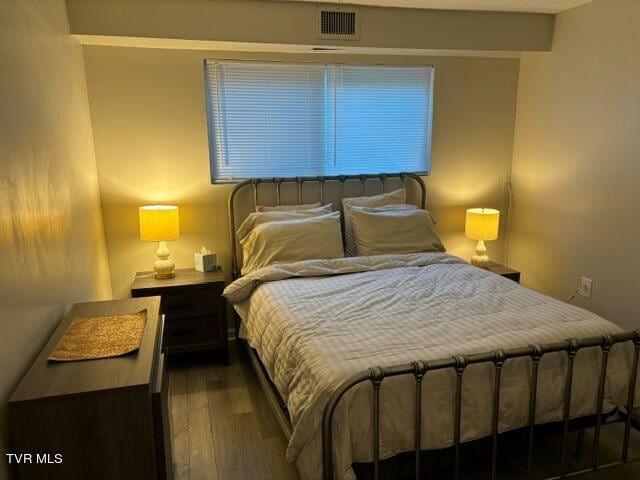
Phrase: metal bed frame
[419,368]
[459,363]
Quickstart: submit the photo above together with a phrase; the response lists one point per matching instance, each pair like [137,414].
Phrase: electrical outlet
[585,287]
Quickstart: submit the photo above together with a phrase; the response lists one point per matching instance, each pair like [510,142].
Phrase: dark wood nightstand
[195,311]
[504,271]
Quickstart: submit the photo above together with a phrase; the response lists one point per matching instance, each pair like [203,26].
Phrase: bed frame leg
[536,356]
[460,365]
[571,355]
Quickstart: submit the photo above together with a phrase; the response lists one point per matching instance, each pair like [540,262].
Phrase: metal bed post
[299,180]
[278,182]
[255,182]
[460,365]
[574,346]
[499,360]
[420,370]
[377,375]
[607,342]
[536,355]
[321,183]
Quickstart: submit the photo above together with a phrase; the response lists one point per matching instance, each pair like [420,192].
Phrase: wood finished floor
[221,424]
[223,428]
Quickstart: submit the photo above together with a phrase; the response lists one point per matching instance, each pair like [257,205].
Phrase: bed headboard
[246,195]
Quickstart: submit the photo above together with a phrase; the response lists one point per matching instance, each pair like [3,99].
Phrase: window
[283,120]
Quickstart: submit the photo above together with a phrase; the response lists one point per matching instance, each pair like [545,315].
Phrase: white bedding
[314,323]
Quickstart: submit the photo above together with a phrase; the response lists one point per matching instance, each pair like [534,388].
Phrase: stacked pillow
[384,224]
[393,230]
[289,236]
[377,225]
[258,218]
[396,197]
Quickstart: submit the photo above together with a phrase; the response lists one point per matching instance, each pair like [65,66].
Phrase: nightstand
[118,405]
[504,271]
[195,311]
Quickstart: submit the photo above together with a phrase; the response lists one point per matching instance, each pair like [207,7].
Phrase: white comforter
[314,323]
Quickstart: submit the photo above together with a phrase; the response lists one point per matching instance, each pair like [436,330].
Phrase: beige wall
[276,22]
[576,167]
[52,250]
[150,132]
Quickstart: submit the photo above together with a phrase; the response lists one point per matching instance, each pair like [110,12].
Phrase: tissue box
[205,262]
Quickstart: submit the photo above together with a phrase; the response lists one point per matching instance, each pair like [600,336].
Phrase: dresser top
[184,277]
[51,379]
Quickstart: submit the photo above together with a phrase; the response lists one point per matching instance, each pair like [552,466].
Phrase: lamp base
[480,259]
[164,266]
[164,276]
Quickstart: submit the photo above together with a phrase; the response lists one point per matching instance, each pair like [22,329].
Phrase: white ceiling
[538,6]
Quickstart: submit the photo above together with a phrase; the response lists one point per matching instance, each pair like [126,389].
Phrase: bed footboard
[459,363]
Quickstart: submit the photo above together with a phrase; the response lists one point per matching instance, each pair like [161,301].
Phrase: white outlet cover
[585,287]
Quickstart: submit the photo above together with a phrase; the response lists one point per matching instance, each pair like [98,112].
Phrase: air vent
[338,23]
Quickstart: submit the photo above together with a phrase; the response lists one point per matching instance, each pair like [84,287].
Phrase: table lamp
[160,223]
[482,225]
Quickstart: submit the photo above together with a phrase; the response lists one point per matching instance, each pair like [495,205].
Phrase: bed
[355,352]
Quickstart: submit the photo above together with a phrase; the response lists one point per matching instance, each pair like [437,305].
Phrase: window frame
[211,122]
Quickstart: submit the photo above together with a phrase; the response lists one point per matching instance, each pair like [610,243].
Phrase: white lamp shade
[482,224]
[159,223]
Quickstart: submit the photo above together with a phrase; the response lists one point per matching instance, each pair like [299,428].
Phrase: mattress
[314,323]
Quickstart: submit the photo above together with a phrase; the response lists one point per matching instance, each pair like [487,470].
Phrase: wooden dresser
[195,311]
[107,418]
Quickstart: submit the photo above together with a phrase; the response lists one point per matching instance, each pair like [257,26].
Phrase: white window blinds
[275,119]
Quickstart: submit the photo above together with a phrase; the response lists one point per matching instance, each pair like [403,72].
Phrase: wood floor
[222,427]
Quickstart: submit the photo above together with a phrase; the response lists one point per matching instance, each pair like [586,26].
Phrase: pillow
[398,206]
[293,240]
[257,218]
[395,197]
[389,208]
[377,232]
[287,208]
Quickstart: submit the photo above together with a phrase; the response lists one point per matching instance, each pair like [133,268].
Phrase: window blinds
[280,120]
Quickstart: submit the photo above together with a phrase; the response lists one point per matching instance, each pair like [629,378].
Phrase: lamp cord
[572,296]
[507,226]
[146,275]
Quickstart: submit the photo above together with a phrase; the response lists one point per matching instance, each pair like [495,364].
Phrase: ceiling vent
[338,23]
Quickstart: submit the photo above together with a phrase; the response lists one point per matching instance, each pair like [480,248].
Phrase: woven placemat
[87,338]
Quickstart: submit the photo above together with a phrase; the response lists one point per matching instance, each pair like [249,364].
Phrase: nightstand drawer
[191,331]
[195,311]
[191,304]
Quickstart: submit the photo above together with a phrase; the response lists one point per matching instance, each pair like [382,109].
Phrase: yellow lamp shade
[159,223]
[482,224]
